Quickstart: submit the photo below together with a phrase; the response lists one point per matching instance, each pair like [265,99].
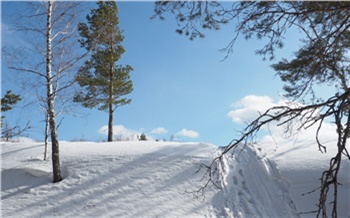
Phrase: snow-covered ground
[156,179]
[302,164]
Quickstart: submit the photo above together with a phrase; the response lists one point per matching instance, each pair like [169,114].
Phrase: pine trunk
[110,106]
[50,101]
[110,124]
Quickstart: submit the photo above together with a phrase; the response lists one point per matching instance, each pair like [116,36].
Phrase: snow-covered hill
[302,164]
[148,179]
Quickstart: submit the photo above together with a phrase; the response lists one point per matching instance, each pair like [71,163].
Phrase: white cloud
[327,133]
[188,133]
[159,130]
[249,107]
[121,132]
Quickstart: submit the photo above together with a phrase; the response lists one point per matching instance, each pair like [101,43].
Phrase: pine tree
[9,100]
[143,137]
[7,103]
[103,81]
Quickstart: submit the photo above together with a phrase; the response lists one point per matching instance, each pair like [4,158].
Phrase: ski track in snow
[142,179]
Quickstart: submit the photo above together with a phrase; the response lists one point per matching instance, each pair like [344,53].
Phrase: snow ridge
[251,187]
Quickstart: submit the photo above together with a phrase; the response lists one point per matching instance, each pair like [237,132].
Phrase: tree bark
[46,136]
[110,123]
[110,104]
[50,100]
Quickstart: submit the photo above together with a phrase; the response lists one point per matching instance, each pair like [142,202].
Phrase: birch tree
[49,58]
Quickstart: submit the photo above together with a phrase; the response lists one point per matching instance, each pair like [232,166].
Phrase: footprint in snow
[241,172]
[235,180]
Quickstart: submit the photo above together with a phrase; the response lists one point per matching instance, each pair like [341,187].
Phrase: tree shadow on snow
[126,185]
[21,180]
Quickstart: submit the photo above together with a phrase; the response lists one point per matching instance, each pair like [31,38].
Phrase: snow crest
[251,187]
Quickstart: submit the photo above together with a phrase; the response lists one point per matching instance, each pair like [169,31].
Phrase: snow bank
[252,187]
[302,163]
[138,179]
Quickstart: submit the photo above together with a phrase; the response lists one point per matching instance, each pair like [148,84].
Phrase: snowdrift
[252,187]
[139,179]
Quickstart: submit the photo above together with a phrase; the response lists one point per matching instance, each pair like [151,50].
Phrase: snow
[159,179]
[302,164]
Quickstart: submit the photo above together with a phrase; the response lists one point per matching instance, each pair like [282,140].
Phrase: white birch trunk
[50,100]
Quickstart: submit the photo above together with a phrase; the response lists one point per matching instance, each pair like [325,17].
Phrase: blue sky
[181,87]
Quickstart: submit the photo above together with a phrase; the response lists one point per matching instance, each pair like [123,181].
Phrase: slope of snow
[139,179]
[253,187]
[302,164]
